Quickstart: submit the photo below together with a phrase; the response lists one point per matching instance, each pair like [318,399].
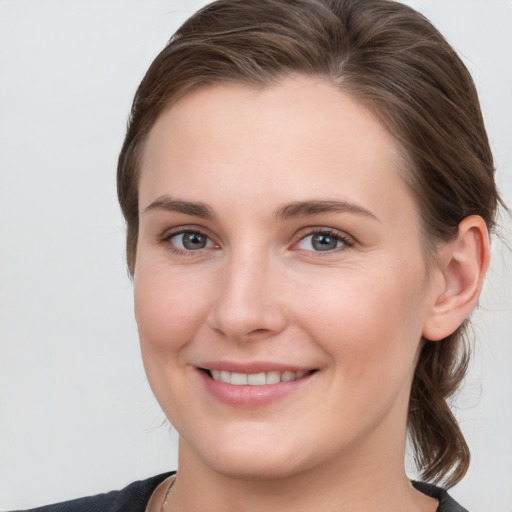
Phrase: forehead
[304,108]
[302,137]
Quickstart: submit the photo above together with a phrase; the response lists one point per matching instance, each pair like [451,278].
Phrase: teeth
[256,379]
[239,379]
[273,377]
[287,376]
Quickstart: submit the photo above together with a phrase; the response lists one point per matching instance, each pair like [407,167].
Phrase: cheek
[371,327]
[168,308]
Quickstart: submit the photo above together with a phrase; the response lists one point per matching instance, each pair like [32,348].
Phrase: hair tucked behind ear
[393,60]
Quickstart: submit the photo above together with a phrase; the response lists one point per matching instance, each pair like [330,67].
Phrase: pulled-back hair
[390,58]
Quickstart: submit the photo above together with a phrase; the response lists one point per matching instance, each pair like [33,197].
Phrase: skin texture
[260,293]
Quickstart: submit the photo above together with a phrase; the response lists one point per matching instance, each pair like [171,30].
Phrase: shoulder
[133,498]
[446,502]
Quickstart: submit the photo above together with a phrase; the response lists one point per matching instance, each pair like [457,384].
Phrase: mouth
[254,385]
[256,379]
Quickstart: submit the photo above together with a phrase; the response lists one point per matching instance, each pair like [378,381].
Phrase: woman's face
[280,286]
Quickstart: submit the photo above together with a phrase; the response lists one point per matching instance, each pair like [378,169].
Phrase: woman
[308,190]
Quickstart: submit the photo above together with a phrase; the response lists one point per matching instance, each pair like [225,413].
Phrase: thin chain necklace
[167,496]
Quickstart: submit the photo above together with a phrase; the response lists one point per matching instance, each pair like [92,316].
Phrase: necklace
[167,496]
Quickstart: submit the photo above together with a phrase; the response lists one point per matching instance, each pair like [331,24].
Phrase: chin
[247,458]
[256,468]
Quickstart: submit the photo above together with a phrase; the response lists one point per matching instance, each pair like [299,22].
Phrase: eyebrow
[168,204]
[315,207]
[292,210]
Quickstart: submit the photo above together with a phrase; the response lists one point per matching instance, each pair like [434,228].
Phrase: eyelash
[167,237]
[346,241]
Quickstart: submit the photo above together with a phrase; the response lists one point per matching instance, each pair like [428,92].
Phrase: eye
[186,241]
[323,241]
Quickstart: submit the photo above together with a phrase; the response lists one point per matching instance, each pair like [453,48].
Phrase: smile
[256,379]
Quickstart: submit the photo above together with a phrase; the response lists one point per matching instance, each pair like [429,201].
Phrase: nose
[248,303]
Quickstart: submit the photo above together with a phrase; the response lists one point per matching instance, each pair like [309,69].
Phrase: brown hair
[391,58]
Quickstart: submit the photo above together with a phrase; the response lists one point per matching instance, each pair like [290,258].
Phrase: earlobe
[461,266]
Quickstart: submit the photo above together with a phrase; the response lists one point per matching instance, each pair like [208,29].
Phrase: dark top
[135,497]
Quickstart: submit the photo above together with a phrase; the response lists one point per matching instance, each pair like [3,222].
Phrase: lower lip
[251,396]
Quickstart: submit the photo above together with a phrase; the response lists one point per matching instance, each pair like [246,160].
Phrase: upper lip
[253,367]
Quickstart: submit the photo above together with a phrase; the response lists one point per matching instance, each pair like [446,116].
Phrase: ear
[460,270]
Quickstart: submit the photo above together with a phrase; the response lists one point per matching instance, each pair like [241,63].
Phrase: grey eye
[194,241]
[190,241]
[323,242]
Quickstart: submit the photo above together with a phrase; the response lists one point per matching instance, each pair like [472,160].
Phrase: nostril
[259,331]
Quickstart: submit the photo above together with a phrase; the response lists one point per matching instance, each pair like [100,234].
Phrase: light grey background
[76,414]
